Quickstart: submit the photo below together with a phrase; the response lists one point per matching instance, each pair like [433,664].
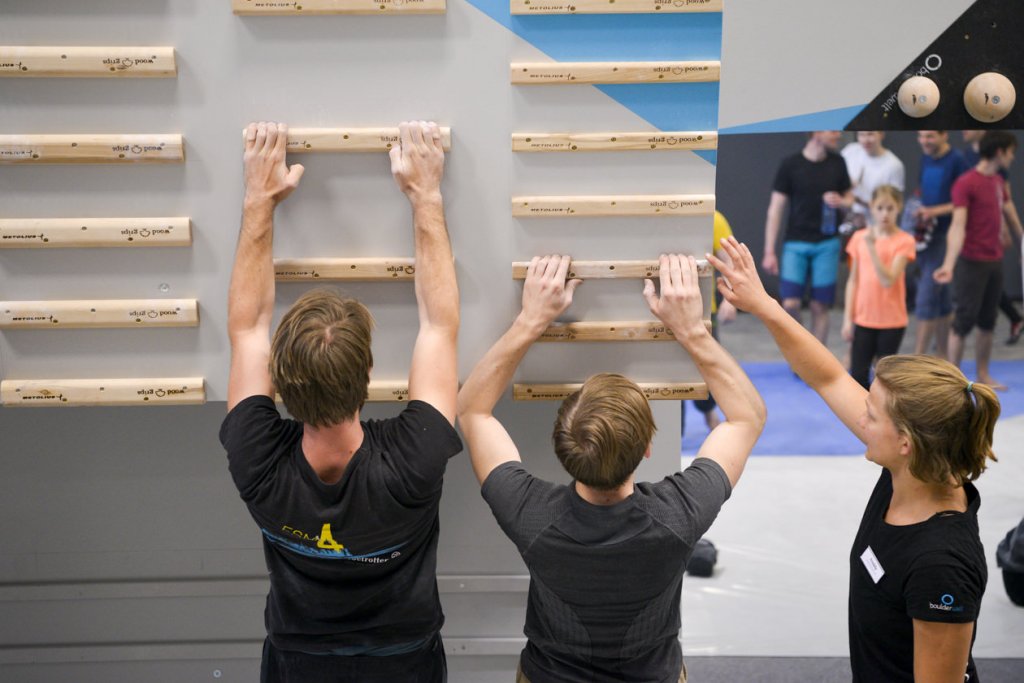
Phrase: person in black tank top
[917,567]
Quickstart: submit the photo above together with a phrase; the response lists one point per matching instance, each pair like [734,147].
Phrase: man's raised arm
[679,306]
[251,294]
[417,164]
[546,295]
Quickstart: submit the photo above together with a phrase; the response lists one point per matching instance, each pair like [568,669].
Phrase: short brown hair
[948,420]
[603,430]
[320,358]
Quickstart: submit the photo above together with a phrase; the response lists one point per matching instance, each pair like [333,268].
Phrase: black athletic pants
[868,344]
[427,665]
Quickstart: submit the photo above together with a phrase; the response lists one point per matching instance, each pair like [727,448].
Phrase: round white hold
[989,97]
[918,97]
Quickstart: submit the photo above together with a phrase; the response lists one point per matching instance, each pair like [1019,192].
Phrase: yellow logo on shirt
[324,540]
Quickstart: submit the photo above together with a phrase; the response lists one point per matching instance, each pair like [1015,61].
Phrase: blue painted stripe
[323,553]
[632,37]
[833,119]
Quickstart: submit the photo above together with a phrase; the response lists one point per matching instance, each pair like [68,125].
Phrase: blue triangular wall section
[632,37]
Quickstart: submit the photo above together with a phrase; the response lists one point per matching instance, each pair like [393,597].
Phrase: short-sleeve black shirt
[605,580]
[934,571]
[804,182]
[352,564]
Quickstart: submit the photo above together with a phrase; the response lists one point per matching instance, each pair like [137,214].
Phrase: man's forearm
[491,376]
[251,293]
[734,393]
[437,291]
[954,244]
[771,231]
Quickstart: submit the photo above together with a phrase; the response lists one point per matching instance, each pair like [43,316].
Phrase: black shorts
[976,289]
[426,665]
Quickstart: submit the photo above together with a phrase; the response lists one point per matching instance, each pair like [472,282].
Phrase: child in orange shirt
[875,316]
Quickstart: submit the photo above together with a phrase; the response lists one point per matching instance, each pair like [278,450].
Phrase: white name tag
[872,564]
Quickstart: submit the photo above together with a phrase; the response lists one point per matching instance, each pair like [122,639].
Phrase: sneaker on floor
[1015,331]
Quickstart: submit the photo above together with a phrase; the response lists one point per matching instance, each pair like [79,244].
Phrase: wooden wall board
[91,149]
[307,7]
[26,393]
[303,140]
[38,61]
[341,269]
[655,391]
[614,6]
[107,313]
[52,233]
[381,391]
[610,330]
[615,142]
[552,73]
[652,205]
[612,270]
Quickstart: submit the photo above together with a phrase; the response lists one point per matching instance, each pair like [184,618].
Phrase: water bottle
[829,221]
[920,228]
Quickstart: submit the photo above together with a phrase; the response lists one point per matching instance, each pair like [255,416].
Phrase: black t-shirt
[804,182]
[605,580]
[352,564]
[933,571]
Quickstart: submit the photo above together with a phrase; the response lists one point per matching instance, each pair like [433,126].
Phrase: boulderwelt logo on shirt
[326,546]
[947,603]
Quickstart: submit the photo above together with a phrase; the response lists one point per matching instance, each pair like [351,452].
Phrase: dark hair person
[917,567]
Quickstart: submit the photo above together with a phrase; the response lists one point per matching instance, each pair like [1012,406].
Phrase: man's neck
[814,151]
[328,450]
[987,167]
[605,496]
[941,151]
[875,151]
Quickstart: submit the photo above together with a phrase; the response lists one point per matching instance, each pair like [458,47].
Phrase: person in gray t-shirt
[606,555]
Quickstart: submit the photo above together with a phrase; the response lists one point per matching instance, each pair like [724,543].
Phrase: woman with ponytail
[917,567]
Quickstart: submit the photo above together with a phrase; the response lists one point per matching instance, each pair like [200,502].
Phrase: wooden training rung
[48,233]
[616,331]
[17,393]
[614,6]
[607,270]
[91,149]
[281,8]
[542,73]
[302,140]
[381,392]
[664,205]
[30,61]
[614,142]
[654,391]
[355,269]
[53,315]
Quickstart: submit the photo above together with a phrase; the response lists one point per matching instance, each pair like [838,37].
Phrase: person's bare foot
[711,419]
[990,381]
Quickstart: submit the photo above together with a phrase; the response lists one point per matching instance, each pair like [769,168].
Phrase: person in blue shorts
[941,165]
[815,186]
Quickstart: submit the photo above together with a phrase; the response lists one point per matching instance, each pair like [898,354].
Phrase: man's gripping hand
[267,177]
[680,305]
[417,162]
[546,294]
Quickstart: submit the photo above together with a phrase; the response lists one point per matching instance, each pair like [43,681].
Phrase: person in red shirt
[974,251]
[875,315]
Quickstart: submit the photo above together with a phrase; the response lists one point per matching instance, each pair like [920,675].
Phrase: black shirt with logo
[804,182]
[352,564]
[931,571]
